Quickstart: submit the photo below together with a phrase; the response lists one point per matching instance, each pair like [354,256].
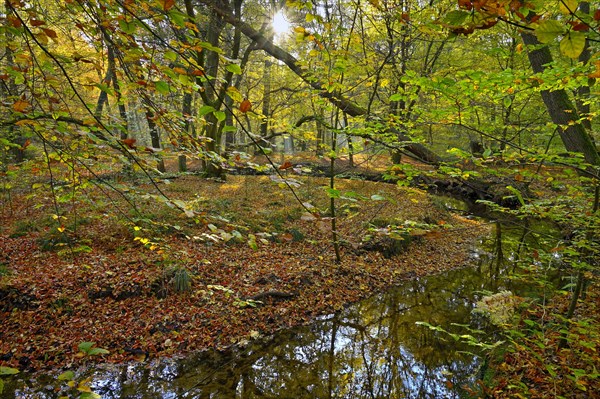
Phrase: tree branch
[262,42]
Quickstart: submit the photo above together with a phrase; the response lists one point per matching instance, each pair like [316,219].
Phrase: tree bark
[266,105]
[562,111]
[154,136]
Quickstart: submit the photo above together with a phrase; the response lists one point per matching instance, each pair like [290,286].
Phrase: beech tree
[359,58]
[539,29]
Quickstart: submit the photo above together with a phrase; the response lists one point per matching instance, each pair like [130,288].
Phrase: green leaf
[456,17]
[127,27]
[252,242]
[8,370]
[205,109]
[170,55]
[396,97]
[210,47]
[178,17]
[229,128]
[162,87]
[377,197]
[333,193]
[86,346]
[517,194]
[551,370]
[234,68]
[220,115]
[572,45]
[19,78]
[89,395]
[549,30]
[98,351]
[66,376]
[1,386]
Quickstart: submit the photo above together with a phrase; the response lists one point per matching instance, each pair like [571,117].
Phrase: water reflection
[372,349]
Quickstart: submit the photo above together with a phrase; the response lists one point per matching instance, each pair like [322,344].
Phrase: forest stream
[373,348]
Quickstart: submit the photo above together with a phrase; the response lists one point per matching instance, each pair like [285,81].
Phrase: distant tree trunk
[211,168]
[229,134]
[350,143]
[266,105]
[103,97]
[320,138]
[124,128]
[187,127]
[562,112]
[155,137]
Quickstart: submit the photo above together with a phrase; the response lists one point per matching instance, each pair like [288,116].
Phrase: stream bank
[371,348]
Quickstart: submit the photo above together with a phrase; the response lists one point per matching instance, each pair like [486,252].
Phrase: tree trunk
[155,137]
[562,111]
[187,127]
[266,105]
[124,128]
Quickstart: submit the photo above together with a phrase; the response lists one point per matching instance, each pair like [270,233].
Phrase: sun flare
[280,23]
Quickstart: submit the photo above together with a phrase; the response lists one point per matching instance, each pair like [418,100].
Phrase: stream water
[372,349]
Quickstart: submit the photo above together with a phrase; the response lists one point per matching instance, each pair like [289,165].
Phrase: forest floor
[90,268]
[224,262]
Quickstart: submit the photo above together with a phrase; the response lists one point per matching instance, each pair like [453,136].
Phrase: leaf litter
[111,283]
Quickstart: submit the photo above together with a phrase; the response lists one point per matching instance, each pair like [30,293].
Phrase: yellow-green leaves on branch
[234,68]
[549,30]
[568,7]
[564,23]
[572,44]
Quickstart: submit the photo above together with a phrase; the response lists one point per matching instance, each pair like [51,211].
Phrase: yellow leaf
[84,388]
[235,94]
[568,6]
[375,3]
[572,44]
[42,38]
[61,229]
[26,122]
